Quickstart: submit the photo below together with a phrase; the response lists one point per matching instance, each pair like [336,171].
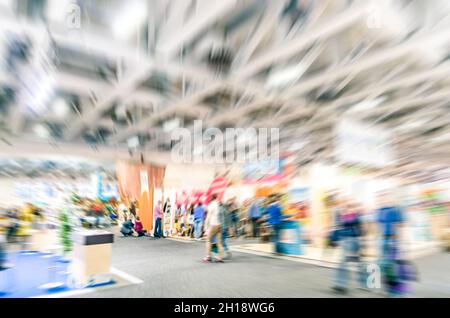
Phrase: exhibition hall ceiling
[111,74]
[54,166]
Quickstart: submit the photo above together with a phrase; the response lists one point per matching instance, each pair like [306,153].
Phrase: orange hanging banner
[137,182]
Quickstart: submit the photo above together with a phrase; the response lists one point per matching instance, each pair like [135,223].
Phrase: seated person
[138,227]
[127,228]
[185,226]
[177,225]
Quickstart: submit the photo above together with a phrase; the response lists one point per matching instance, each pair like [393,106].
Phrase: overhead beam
[207,13]
[438,37]
[327,29]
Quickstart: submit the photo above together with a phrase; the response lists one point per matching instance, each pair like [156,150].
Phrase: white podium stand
[91,257]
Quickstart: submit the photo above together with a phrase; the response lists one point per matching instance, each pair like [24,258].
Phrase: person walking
[275,219]
[225,222]
[199,214]
[389,217]
[158,220]
[234,216]
[350,239]
[213,228]
[254,214]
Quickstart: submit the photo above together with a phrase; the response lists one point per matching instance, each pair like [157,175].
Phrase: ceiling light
[58,9]
[41,131]
[60,108]
[171,124]
[130,18]
[133,142]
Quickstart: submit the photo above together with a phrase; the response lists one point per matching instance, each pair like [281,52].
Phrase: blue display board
[106,190]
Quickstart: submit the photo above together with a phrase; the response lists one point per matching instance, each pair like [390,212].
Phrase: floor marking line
[287,258]
[132,279]
[180,240]
[67,293]
[125,276]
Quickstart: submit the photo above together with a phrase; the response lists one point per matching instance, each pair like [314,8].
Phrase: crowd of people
[221,219]
[240,221]
[257,218]
[349,231]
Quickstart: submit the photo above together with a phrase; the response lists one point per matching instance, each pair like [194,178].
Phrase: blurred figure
[97,212]
[213,228]
[127,227]
[13,227]
[350,238]
[132,208]
[191,222]
[234,216]
[225,222]
[177,220]
[185,225]
[199,214]
[243,220]
[26,217]
[254,214]
[138,227]
[158,221]
[389,217]
[122,211]
[274,219]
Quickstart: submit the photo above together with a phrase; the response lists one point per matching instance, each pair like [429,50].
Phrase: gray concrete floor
[174,269]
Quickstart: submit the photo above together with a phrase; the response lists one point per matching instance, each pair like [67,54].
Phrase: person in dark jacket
[127,227]
[350,240]
[275,218]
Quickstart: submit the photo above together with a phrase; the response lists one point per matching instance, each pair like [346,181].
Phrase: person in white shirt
[213,227]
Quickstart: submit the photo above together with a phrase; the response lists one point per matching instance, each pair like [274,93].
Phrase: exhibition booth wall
[139,182]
